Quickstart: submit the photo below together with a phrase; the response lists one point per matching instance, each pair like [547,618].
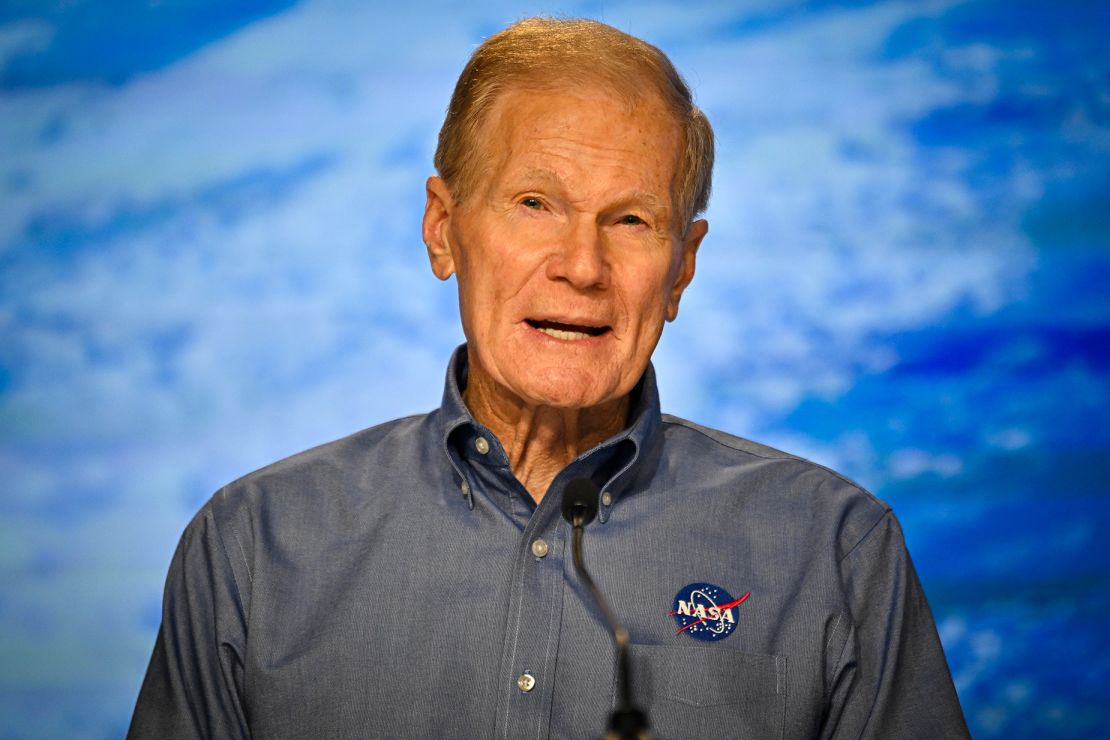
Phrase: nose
[581,257]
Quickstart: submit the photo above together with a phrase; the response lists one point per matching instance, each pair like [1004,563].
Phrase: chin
[568,389]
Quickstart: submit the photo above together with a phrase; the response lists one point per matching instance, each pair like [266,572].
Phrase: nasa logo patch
[706,612]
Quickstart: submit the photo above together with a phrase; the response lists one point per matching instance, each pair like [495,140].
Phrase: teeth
[567,335]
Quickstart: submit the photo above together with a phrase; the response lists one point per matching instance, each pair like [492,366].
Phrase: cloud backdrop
[210,258]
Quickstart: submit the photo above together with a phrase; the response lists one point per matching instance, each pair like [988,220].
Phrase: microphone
[580,502]
[579,508]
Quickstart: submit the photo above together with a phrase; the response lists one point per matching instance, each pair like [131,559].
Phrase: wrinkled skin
[568,261]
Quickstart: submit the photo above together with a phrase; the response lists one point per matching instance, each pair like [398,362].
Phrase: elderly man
[415,579]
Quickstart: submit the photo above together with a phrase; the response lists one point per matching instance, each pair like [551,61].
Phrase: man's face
[567,255]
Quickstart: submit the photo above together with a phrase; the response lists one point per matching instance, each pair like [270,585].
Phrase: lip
[535,328]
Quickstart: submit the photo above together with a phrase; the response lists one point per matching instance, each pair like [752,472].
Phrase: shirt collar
[612,464]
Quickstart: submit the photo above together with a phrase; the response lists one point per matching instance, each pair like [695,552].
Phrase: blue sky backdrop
[210,258]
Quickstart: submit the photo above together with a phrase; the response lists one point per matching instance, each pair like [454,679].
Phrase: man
[415,580]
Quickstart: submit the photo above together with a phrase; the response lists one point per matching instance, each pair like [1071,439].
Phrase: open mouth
[568,332]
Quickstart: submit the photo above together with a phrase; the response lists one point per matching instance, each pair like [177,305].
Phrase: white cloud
[830,226]
[911,463]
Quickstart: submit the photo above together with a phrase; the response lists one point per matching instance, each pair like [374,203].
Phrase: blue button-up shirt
[402,583]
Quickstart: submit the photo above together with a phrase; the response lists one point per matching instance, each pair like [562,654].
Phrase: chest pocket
[694,691]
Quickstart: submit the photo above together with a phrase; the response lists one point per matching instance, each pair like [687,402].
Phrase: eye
[530,202]
[631,220]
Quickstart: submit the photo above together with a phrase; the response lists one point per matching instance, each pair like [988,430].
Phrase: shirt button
[606,499]
[465,488]
[526,682]
[482,445]
[539,548]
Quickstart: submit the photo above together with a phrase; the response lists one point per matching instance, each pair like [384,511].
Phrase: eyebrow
[546,176]
[543,175]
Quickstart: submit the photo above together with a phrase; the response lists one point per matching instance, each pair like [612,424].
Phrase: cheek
[651,296]
[493,249]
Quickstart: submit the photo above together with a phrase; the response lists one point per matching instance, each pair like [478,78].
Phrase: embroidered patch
[706,612]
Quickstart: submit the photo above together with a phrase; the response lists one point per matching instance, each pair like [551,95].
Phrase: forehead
[541,132]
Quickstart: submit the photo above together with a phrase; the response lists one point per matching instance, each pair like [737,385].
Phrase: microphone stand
[627,721]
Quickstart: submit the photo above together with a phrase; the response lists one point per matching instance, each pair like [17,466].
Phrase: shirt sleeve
[194,683]
[891,680]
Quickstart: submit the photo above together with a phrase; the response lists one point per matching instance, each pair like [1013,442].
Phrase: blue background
[210,258]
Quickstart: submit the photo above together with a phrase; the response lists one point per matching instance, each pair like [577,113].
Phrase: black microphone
[627,722]
[580,502]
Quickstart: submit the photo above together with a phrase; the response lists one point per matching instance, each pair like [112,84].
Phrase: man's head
[563,212]
[547,53]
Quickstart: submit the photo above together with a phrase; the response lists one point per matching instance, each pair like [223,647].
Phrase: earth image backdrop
[210,258]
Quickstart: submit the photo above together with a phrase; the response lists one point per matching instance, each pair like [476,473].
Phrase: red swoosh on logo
[722,607]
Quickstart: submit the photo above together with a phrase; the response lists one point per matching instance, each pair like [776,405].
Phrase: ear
[437,225]
[688,258]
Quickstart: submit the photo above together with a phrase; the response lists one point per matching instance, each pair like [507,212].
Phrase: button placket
[533,627]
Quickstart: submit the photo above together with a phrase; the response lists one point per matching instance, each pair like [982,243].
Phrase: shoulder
[330,477]
[774,485]
[303,502]
[339,458]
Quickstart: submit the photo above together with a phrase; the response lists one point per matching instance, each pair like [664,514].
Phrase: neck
[540,440]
